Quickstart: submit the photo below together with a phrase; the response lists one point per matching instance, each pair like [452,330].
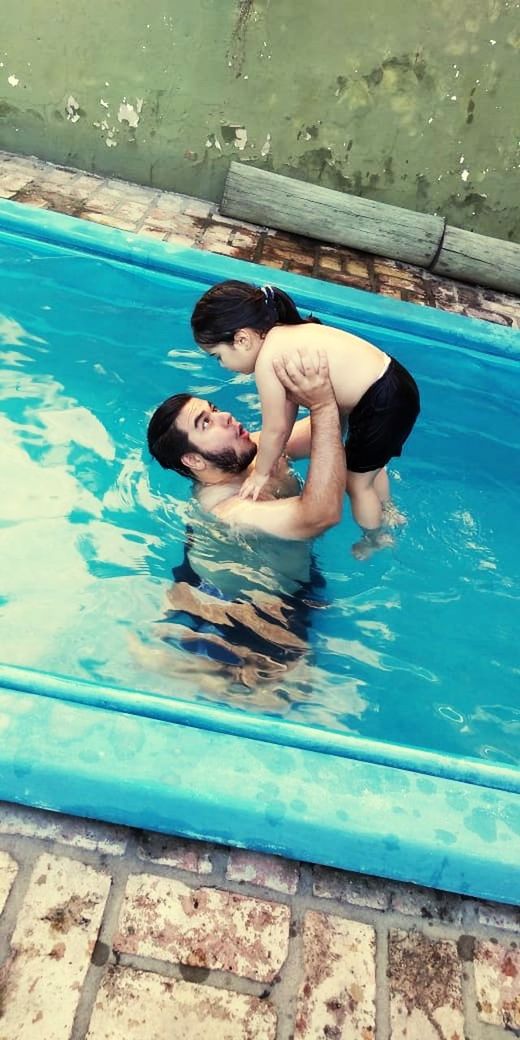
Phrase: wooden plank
[479,259]
[280,202]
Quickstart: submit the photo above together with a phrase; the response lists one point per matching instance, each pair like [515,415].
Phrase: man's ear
[193,461]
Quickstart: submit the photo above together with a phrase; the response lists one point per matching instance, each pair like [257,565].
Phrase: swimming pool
[360,715]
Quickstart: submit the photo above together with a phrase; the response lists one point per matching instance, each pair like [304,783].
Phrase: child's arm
[278,416]
[319,505]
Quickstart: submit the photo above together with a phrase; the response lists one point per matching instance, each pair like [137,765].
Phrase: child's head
[232,318]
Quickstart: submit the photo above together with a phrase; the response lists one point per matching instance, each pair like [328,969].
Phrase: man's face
[216,436]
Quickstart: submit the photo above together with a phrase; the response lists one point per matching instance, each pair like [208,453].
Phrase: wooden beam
[479,259]
[332,216]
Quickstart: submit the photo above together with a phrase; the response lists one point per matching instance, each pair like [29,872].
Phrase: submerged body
[242,595]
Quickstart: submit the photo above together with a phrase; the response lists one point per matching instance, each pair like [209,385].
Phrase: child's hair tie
[268,292]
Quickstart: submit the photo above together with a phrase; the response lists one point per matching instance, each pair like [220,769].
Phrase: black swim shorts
[382,420]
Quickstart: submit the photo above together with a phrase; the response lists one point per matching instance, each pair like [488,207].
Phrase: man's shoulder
[214,498]
[236,511]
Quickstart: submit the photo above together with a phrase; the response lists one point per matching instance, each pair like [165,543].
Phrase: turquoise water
[416,646]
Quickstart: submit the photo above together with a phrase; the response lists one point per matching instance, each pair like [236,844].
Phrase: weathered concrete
[413,104]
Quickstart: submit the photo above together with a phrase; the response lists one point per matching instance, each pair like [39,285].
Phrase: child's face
[235,357]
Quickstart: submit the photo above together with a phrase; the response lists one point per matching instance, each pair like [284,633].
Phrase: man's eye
[205,422]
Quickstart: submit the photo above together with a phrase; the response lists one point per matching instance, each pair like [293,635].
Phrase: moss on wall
[403,101]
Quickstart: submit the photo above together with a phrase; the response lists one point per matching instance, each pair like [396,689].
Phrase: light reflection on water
[411,646]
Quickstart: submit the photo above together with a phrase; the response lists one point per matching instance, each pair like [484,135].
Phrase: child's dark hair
[232,305]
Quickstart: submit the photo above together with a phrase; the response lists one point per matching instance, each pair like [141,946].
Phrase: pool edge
[338,812]
[224,718]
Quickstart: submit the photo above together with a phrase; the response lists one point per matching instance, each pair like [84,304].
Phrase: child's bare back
[354,363]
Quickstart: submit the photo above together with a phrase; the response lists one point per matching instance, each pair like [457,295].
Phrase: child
[245,327]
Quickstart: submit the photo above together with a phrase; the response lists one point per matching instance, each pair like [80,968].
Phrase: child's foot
[393,518]
[369,544]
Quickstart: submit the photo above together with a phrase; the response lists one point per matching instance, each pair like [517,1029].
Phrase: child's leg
[364,491]
[382,487]
[366,504]
[391,514]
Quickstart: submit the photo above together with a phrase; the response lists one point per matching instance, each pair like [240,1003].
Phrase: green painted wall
[405,101]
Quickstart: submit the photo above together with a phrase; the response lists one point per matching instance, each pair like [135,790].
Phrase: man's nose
[226,418]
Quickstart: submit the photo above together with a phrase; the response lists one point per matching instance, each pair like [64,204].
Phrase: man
[245,605]
[194,438]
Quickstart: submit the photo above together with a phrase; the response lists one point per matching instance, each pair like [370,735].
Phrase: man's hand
[306,377]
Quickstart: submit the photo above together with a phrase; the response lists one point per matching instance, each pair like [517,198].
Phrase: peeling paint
[72,109]
[213,142]
[386,97]
[128,114]
[266,147]
[240,138]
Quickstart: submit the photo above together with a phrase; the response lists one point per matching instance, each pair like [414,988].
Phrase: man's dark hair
[166,442]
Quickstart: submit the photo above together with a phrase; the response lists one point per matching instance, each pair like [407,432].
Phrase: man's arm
[320,504]
[299,444]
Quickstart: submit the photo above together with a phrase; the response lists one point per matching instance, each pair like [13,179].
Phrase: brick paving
[107,933]
[185,221]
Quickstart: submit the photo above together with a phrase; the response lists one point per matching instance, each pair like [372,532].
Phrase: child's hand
[252,487]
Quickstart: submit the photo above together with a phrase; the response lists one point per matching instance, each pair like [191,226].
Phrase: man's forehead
[187,415]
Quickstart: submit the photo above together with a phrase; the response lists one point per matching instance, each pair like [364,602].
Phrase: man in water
[247,585]
[194,438]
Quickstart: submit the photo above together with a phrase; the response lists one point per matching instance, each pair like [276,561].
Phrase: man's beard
[229,460]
